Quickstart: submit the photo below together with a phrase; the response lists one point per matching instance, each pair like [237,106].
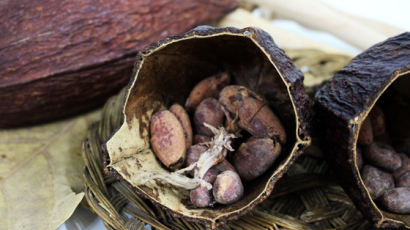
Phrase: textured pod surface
[61,57]
[250,56]
[343,105]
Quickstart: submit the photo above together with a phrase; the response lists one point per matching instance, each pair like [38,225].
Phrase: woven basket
[306,198]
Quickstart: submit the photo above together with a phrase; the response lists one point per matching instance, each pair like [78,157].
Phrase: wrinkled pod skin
[79,53]
[342,105]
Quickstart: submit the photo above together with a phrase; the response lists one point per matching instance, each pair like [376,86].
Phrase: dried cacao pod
[185,60]
[58,58]
[380,76]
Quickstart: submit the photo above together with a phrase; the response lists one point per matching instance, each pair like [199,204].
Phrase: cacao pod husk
[165,73]
[58,58]
[379,75]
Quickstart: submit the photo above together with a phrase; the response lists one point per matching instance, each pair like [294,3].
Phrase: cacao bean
[201,139]
[232,96]
[193,154]
[359,158]
[378,122]
[58,58]
[200,197]
[397,200]
[366,133]
[403,180]
[376,181]
[228,188]
[383,156]
[209,87]
[183,118]
[167,139]
[255,156]
[208,111]
[405,166]
[259,120]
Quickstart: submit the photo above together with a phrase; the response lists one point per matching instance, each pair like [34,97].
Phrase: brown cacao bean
[183,118]
[376,181]
[167,139]
[397,200]
[232,96]
[405,166]
[228,188]
[383,156]
[70,56]
[259,120]
[201,139]
[209,87]
[200,197]
[255,156]
[366,133]
[193,154]
[359,158]
[403,180]
[377,120]
[208,111]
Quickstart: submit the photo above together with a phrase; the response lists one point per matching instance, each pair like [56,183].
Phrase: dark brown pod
[166,72]
[366,133]
[397,200]
[58,58]
[183,118]
[209,87]
[378,76]
[259,120]
[228,188]
[377,181]
[255,156]
[208,111]
[382,156]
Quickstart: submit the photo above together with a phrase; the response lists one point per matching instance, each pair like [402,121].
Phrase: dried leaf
[40,173]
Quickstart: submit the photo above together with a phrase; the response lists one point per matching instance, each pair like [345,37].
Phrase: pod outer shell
[59,58]
[165,73]
[342,105]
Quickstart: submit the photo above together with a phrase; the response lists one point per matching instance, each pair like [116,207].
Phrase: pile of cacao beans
[215,101]
[385,172]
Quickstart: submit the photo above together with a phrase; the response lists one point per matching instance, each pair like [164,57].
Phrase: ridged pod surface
[58,58]
[374,76]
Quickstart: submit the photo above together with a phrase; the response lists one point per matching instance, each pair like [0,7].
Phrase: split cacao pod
[165,73]
[58,58]
[377,78]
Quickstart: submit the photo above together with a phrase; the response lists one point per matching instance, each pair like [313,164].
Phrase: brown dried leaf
[40,173]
